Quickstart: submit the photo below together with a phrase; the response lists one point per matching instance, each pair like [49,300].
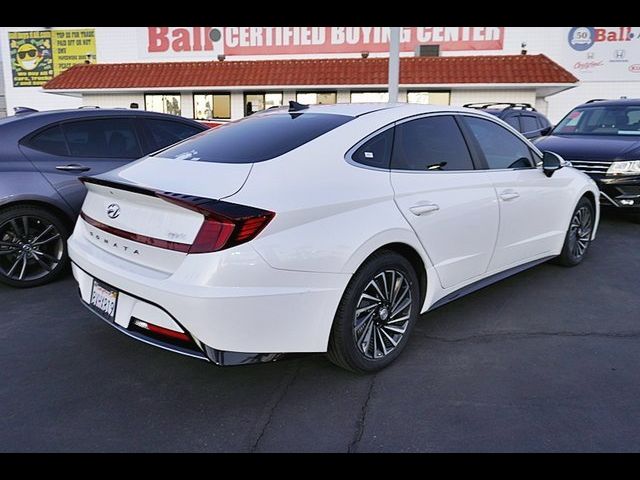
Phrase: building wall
[113,100]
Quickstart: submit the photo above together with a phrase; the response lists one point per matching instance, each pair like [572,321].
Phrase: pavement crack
[282,393]
[497,335]
[363,416]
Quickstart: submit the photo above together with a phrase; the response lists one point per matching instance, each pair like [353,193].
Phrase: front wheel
[33,249]
[578,238]
[376,315]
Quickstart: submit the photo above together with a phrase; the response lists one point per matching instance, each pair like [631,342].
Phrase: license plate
[104,300]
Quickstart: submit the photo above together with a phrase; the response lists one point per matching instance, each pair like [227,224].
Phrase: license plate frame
[104,300]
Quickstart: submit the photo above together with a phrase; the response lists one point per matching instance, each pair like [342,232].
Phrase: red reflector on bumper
[162,331]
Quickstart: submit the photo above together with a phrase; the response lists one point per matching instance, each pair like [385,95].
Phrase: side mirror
[551,162]
[546,131]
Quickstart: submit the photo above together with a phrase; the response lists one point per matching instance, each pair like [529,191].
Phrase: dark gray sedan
[41,156]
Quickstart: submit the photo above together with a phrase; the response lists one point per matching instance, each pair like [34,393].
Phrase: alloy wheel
[30,248]
[580,231]
[382,314]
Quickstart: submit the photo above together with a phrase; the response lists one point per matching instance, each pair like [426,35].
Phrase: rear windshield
[255,139]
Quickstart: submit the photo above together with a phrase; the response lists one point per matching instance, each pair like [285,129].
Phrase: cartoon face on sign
[581,38]
[28,56]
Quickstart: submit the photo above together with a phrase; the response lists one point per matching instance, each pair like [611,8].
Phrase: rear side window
[50,141]
[529,123]
[166,132]
[513,121]
[256,138]
[107,137]
[433,143]
[375,152]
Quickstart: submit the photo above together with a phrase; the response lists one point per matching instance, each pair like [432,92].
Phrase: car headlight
[631,167]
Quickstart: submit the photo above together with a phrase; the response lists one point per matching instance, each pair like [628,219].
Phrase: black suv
[521,116]
[602,138]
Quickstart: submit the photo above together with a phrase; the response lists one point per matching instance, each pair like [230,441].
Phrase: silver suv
[41,156]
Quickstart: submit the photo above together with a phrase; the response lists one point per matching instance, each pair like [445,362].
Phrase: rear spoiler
[129,187]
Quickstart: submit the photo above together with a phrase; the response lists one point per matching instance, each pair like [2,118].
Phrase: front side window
[501,148]
[163,103]
[256,138]
[316,98]
[107,138]
[255,102]
[50,141]
[604,120]
[166,132]
[367,97]
[211,105]
[430,144]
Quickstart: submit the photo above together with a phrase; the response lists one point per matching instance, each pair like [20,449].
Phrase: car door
[451,206]
[64,151]
[530,203]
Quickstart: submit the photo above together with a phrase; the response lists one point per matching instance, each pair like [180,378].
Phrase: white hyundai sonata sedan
[322,229]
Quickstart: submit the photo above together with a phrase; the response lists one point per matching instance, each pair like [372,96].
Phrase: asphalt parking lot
[548,360]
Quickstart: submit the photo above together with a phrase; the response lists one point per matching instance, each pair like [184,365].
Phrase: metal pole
[394,63]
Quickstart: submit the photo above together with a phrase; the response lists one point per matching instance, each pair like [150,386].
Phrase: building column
[237,105]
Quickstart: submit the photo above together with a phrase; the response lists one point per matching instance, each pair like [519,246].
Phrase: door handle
[423,208]
[73,167]
[509,195]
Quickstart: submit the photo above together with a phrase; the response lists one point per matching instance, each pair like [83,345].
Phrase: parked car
[521,116]
[322,228]
[41,156]
[602,138]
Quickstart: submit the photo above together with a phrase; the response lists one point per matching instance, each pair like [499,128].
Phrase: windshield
[605,120]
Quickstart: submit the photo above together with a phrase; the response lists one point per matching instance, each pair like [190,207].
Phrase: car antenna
[21,110]
[296,107]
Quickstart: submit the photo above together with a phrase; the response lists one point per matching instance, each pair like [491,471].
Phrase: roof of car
[358,109]
[82,112]
[611,103]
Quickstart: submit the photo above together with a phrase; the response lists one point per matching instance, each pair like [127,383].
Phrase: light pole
[394,63]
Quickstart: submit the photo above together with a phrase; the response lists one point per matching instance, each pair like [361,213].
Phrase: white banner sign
[603,53]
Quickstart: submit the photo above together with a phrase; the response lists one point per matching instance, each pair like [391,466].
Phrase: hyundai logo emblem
[113,210]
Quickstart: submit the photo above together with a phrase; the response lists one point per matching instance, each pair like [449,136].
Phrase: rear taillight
[225,224]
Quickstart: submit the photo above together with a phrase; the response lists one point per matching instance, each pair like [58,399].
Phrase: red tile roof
[338,71]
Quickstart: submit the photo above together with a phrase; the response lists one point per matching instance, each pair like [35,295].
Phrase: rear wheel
[376,314]
[578,238]
[33,249]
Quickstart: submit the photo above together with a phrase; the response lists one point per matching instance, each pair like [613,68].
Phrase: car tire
[365,345]
[35,256]
[578,237]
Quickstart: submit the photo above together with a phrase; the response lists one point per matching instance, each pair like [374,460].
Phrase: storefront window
[211,105]
[365,97]
[316,98]
[254,102]
[163,103]
[433,98]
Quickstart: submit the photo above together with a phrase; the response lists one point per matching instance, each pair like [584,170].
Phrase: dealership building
[224,73]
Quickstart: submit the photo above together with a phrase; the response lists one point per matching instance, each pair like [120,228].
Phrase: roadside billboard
[205,42]
[38,56]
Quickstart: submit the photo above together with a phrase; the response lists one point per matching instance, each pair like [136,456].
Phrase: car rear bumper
[245,311]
